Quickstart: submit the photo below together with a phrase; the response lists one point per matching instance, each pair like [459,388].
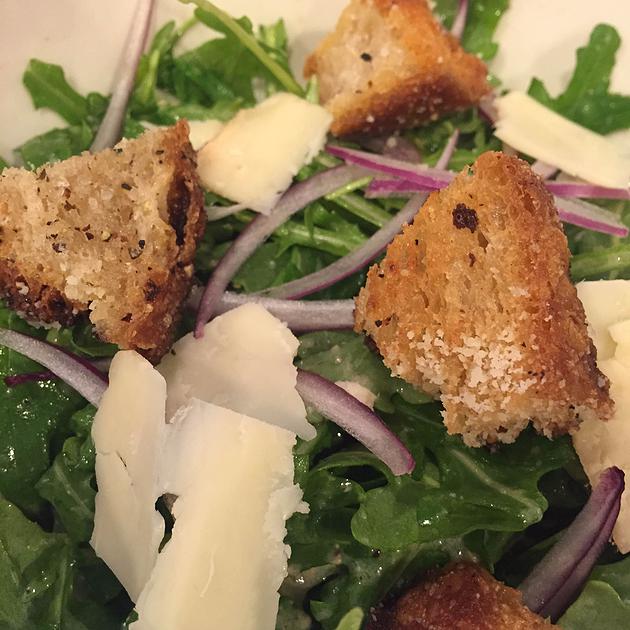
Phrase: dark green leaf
[34,418]
[69,486]
[55,145]
[599,606]
[344,356]
[36,573]
[482,20]
[476,489]
[587,99]
[48,88]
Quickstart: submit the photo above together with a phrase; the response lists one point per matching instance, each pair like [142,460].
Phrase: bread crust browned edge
[186,215]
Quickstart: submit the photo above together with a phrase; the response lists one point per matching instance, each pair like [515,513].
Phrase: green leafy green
[352,620]
[47,85]
[218,20]
[605,601]
[34,417]
[55,145]
[482,20]
[69,484]
[344,356]
[471,489]
[587,99]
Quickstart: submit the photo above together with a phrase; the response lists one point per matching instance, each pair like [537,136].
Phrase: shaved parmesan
[255,157]
[541,133]
[604,444]
[359,392]
[128,432]
[202,131]
[226,558]
[243,362]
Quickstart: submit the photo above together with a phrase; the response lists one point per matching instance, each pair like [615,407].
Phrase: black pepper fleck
[366,56]
[126,318]
[472,259]
[465,217]
[126,186]
[378,323]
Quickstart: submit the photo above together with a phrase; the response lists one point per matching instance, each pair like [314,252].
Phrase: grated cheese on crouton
[473,301]
[110,235]
[462,596]
[390,65]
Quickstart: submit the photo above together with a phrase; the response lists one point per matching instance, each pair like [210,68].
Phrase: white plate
[536,37]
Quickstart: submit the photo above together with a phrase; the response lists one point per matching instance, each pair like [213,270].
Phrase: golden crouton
[473,300]
[110,235]
[461,597]
[390,65]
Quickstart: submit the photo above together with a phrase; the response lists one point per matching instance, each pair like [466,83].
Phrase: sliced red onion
[447,152]
[591,217]
[356,260]
[77,372]
[46,375]
[383,188]
[110,129]
[574,211]
[352,262]
[424,176]
[557,579]
[298,315]
[261,227]
[396,147]
[214,213]
[459,23]
[355,418]
[579,189]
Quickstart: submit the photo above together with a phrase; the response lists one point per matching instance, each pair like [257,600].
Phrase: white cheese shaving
[128,433]
[226,558]
[255,157]
[604,444]
[359,392]
[243,362]
[541,133]
[202,131]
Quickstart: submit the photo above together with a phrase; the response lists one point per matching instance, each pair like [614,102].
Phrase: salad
[391,493]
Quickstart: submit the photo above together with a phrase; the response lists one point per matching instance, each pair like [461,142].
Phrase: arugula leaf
[47,85]
[55,145]
[352,620]
[34,417]
[220,21]
[587,99]
[599,606]
[69,484]
[483,18]
[3,164]
[344,356]
[473,489]
[36,572]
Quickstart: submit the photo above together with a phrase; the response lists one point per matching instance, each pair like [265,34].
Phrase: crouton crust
[390,65]
[462,596]
[110,236]
[473,301]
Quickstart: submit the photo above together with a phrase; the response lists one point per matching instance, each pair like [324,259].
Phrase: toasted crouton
[390,65]
[110,235]
[460,597]
[473,300]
